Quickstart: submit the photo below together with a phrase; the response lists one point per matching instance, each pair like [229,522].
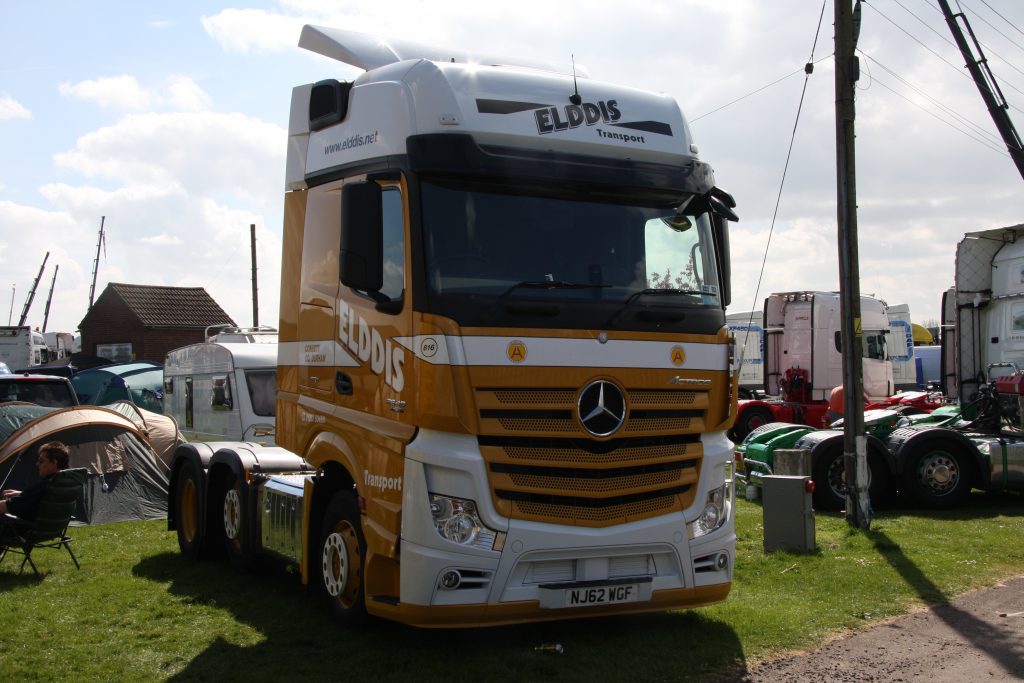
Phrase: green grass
[138,611]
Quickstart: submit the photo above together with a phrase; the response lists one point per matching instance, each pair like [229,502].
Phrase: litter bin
[788,513]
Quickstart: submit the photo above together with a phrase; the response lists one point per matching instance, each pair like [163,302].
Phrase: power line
[808,70]
[752,92]
[1010,23]
[956,68]
[1003,59]
[948,110]
[979,16]
[939,118]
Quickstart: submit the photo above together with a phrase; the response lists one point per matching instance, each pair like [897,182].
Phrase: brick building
[142,322]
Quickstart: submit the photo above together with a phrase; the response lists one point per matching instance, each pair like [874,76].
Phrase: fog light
[451,579]
[722,562]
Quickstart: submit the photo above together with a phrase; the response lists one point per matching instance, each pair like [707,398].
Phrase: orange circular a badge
[516,351]
[678,355]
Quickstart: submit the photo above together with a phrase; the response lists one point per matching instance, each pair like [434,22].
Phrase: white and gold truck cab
[504,371]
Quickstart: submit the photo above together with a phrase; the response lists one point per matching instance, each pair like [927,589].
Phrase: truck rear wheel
[830,487]
[937,474]
[187,513]
[340,559]
[237,543]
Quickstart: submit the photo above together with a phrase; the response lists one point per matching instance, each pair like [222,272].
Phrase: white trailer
[900,347]
[21,347]
[986,307]
[223,391]
[748,329]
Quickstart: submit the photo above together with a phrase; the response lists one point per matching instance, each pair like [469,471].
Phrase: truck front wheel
[937,474]
[340,559]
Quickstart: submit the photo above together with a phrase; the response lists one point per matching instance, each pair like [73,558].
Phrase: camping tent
[161,430]
[126,479]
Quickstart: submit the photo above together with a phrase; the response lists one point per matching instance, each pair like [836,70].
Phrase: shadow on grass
[10,579]
[978,505]
[301,641]
[1000,645]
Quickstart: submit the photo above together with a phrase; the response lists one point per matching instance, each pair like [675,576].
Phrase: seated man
[53,457]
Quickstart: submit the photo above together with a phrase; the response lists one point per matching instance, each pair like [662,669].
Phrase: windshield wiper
[547,309]
[651,291]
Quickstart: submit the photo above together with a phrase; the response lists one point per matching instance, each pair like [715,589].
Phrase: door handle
[343,384]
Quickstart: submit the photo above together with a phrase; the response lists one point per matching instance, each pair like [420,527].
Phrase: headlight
[715,512]
[456,520]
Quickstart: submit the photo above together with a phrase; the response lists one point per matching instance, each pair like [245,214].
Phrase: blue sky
[169,118]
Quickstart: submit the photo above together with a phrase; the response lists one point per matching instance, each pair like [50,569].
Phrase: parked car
[44,390]
[141,382]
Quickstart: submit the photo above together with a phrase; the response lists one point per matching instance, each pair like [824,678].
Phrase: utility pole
[987,85]
[255,296]
[858,508]
[46,311]
[10,313]
[32,292]
[96,263]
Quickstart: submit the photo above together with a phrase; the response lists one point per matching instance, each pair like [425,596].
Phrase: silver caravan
[223,390]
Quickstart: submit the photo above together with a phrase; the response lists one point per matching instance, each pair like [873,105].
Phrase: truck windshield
[494,258]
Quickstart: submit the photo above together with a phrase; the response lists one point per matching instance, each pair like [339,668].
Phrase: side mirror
[362,236]
[721,232]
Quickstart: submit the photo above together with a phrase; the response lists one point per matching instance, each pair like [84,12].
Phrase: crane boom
[32,292]
[46,311]
[987,85]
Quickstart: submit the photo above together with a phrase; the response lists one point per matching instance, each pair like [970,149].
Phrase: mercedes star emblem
[602,407]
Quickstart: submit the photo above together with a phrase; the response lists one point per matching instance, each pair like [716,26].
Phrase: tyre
[937,473]
[237,541]
[830,487]
[188,515]
[340,558]
[750,419]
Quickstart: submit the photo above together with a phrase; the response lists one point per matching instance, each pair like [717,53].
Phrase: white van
[223,391]
[21,347]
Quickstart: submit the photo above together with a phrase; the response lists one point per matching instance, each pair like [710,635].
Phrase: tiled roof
[171,306]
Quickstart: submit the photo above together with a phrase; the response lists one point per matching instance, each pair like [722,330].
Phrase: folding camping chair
[50,527]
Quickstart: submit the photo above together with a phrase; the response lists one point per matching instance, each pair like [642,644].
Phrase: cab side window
[394,244]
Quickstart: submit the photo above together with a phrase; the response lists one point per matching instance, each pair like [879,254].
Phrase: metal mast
[986,83]
[96,262]
[46,312]
[32,292]
[255,289]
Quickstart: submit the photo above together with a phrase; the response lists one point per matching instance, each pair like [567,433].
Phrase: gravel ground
[979,637]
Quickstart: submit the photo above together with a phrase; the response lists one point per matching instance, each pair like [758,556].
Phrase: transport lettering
[378,481]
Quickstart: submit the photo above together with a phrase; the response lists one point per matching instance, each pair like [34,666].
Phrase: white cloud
[125,92]
[202,153]
[162,240]
[11,108]
[186,95]
[253,30]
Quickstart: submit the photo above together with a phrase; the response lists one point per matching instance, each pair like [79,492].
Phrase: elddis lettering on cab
[476,368]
